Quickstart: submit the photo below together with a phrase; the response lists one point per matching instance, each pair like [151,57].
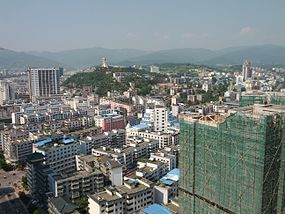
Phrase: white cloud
[246,31]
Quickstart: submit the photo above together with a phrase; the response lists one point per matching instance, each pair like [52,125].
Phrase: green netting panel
[234,167]
[281,180]
[278,100]
[247,100]
[186,164]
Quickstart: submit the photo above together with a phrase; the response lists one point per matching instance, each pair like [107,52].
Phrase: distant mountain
[259,55]
[91,56]
[19,60]
[78,58]
[185,55]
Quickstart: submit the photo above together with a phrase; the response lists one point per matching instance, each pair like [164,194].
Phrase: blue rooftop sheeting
[174,171]
[170,177]
[64,140]
[156,208]
[67,140]
[166,182]
[43,142]
[140,126]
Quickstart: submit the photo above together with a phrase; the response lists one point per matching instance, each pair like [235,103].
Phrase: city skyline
[148,107]
[140,25]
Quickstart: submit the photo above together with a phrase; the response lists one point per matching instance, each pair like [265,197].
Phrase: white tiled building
[130,153]
[164,157]
[164,138]
[130,197]
[76,184]
[16,145]
[59,153]
[160,119]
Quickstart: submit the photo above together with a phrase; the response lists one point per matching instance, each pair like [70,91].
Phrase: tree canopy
[102,81]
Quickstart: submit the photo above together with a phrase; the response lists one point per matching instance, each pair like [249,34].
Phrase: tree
[25,183]
[37,211]
[214,80]
[82,204]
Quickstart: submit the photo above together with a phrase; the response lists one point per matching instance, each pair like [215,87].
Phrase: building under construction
[233,163]
[257,97]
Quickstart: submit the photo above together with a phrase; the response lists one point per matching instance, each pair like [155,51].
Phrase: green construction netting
[237,166]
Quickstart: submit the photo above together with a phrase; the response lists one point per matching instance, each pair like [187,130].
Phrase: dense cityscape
[121,152]
[121,131]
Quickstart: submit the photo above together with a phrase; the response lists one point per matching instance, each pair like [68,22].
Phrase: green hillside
[102,81]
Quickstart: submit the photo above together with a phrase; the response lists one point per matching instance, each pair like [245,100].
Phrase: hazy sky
[54,25]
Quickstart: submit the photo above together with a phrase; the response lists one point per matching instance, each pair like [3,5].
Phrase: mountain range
[78,58]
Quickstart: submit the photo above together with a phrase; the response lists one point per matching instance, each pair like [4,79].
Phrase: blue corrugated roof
[43,142]
[174,171]
[140,126]
[67,140]
[156,208]
[166,182]
[171,176]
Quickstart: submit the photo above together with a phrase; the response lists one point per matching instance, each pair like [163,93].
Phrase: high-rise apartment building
[233,163]
[246,70]
[160,119]
[44,82]
[156,117]
[6,92]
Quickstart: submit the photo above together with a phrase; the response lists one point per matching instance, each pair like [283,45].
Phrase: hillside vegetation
[102,81]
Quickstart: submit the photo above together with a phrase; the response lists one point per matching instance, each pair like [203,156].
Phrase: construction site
[250,98]
[233,163]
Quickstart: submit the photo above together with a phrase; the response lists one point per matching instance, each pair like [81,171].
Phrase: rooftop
[35,156]
[76,175]
[171,177]
[156,208]
[59,140]
[131,187]
[140,126]
[105,195]
[255,112]
[63,206]
[106,161]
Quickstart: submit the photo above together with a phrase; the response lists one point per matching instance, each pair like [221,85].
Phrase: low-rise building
[89,143]
[164,157]
[76,184]
[130,197]
[117,138]
[108,201]
[60,205]
[151,170]
[166,138]
[17,145]
[37,175]
[59,152]
[129,154]
[111,169]
[167,187]
[110,121]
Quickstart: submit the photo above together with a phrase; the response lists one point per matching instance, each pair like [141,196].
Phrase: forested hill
[102,80]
